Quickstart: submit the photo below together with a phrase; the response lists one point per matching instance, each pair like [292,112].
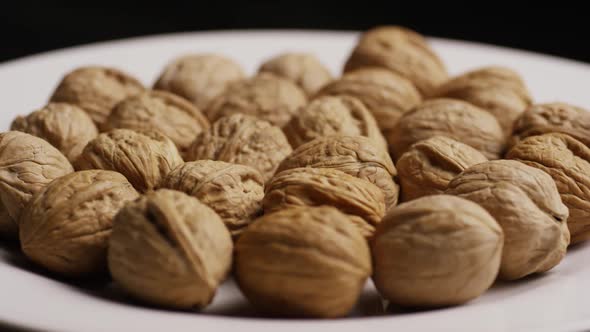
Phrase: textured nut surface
[267,97]
[554,117]
[452,118]
[67,225]
[145,158]
[428,166]
[353,155]
[333,115]
[199,77]
[245,140]
[304,69]
[160,111]
[525,202]
[169,249]
[436,251]
[234,191]
[303,261]
[27,164]
[65,126]
[402,51]
[96,90]
[498,90]
[386,95]
[567,160]
[305,186]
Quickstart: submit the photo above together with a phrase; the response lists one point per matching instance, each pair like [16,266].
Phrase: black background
[34,26]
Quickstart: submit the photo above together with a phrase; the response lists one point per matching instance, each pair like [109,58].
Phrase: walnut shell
[303,261]
[267,97]
[160,111]
[436,251]
[333,115]
[169,249]
[353,155]
[234,191]
[402,51]
[386,95]
[303,69]
[96,90]
[27,164]
[452,118]
[429,165]
[67,225]
[199,77]
[567,160]
[245,140]
[498,90]
[65,126]
[145,158]
[525,202]
[305,186]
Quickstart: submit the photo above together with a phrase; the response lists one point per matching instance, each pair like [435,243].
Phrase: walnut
[265,96]
[402,51]
[436,251]
[161,111]
[498,90]
[525,202]
[234,191]
[303,261]
[145,158]
[567,160]
[353,155]
[96,90]
[244,140]
[305,186]
[67,224]
[199,77]
[429,165]
[65,126]
[169,249]
[303,69]
[452,118]
[27,164]
[386,95]
[554,117]
[328,116]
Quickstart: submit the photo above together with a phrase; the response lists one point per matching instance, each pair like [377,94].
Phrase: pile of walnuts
[299,184]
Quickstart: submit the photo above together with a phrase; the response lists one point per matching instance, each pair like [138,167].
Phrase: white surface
[556,301]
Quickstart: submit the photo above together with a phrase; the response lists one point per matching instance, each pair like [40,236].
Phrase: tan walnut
[333,115]
[267,97]
[160,111]
[452,118]
[525,202]
[67,127]
[169,249]
[96,90]
[567,160]
[353,155]
[303,261]
[303,69]
[199,77]
[429,165]
[67,225]
[305,186]
[402,51]
[145,158]
[244,140]
[436,251]
[27,164]
[234,191]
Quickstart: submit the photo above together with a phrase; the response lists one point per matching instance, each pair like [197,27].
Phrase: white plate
[556,301]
